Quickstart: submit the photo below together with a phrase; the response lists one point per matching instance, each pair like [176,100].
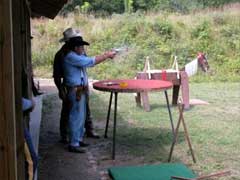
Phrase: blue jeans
[77,118]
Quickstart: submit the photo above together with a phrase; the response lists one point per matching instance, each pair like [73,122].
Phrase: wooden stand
[169,76]
[181,119]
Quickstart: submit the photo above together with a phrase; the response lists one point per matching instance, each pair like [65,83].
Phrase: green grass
[214,129]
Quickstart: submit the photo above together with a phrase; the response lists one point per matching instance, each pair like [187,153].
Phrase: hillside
[215,32]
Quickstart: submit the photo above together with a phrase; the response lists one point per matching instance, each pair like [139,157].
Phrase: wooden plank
[185,89]
[170,76]
[8,160]
[143,97]
[19,11]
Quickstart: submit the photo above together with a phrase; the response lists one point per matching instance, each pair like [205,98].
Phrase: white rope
[147,67]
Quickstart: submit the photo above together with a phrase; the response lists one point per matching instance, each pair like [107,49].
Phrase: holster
[79,91]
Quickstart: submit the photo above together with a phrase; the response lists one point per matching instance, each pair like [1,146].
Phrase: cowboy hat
[70,33]
[77,41]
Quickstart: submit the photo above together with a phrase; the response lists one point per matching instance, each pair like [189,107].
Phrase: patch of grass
[214,128]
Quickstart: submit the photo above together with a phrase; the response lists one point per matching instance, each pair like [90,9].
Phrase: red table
[133,86]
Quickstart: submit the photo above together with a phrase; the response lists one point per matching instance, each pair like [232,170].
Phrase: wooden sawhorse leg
[181,119]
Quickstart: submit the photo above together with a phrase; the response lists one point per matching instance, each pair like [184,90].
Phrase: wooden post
[185,89]
[8,157]
[143,97]
[175,94]
[21,36]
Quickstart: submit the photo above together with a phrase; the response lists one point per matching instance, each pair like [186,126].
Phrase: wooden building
[15,76]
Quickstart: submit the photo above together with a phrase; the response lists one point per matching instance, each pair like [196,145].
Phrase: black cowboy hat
[77,41]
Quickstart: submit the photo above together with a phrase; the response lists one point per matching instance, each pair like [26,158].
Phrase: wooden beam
[47,8]
[8,158]
[20,14]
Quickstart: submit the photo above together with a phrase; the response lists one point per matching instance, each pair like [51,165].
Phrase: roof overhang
[47,8]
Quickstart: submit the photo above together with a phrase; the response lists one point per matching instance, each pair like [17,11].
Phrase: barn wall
[8,159]
[15,78]
[22,67]
[15,70]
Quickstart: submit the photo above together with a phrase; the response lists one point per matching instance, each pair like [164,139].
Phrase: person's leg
[82,116]
[88,122]
[76,123]
[64,121]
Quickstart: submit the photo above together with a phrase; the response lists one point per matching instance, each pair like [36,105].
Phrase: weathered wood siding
[22,63]
[8,159]
[15,77]
[15,60]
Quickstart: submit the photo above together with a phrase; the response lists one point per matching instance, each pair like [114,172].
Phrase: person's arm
[27,104]
[106,55]
[60,87]
[85,61]
[58,82]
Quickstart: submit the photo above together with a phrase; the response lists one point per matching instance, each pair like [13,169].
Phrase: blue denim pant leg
[77,118]
[82,114]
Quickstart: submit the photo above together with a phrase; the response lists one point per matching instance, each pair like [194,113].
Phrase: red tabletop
[133,85]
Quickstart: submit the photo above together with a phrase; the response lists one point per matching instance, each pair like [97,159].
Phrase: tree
[128,6]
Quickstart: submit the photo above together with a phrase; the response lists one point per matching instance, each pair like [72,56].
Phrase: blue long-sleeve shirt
[75,68]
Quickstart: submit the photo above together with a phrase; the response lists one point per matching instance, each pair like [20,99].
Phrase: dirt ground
[56,163]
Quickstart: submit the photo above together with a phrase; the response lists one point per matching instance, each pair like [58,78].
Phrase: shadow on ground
[134,145]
